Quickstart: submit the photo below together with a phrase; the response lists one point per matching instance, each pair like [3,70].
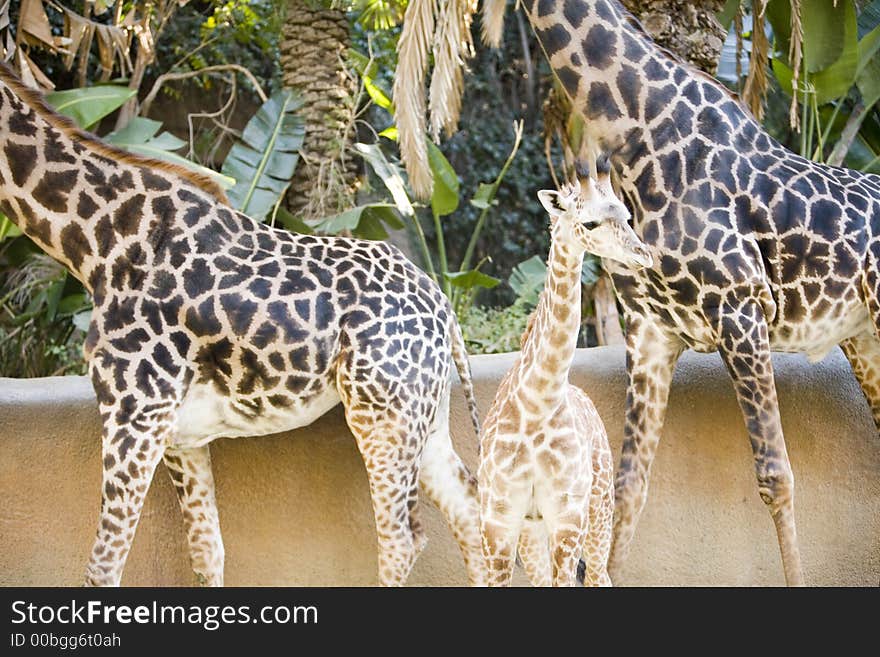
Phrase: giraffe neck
[82,201]
[549,348]
[637,98]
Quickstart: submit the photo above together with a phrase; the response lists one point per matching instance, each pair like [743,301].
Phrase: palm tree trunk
[686,27]
[314,43]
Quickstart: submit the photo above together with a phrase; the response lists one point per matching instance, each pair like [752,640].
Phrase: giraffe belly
[205,415]
[817,337]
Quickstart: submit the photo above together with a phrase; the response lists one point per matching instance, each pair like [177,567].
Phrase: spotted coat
[209,324]
[755,248]
[546,474]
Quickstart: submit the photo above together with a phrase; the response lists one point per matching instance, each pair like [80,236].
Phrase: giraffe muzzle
[641,258]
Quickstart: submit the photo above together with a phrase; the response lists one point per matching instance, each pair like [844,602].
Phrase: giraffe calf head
[588,217]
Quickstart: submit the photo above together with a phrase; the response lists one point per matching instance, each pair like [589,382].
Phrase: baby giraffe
[546,477]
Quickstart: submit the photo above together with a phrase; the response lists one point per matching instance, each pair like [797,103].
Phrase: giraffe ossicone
[546,478]
[207,323]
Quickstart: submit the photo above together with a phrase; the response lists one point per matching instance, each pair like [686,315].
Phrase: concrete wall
[295,509]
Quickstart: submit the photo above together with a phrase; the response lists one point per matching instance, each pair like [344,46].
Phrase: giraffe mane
[65,125]
[530,325]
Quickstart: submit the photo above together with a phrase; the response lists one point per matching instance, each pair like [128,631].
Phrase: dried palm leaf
[493,21]
[795,59]
[31,74]
[413,50]
[452,44]
[33,24]
[757,82]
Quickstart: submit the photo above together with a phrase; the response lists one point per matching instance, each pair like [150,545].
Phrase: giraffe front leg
[863,353]
[598,542]
[130,452]
[534,552]
[193,479]
[138,412]
[503,506]
[745,349]
[650,362]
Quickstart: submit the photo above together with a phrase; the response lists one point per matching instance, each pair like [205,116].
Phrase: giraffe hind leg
[863,353]
[390,451]
[193,479]
[534,552]
[863,350]
[745,349]
[450,485]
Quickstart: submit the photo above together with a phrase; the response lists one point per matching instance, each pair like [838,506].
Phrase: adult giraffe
[755,249]
[208,324]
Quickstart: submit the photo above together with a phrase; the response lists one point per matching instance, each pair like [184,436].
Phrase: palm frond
[493,21]
[379,14]
[413,50]
[795,58]
[755,91]
[451,44]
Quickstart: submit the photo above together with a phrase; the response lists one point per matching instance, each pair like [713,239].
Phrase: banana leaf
[527,279]
[263,161]
[364,221]
[444,200]
[473,278]
[140,136]
[89,105]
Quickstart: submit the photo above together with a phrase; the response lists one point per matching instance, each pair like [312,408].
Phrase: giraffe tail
[462,364]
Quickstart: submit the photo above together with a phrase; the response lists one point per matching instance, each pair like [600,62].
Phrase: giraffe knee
[98,575]
[630,488]
[208,563]
[776,486]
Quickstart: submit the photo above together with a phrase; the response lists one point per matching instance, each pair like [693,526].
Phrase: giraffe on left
[209,324]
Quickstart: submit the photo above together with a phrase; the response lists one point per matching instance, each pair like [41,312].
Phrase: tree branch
[170,77]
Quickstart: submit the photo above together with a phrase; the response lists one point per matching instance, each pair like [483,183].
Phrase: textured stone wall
[295,508]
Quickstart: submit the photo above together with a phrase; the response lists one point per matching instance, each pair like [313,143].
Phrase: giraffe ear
[552,202]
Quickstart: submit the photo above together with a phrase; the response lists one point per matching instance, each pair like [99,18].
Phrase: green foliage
[527,279]
[497,87]
[140,136]
[468,280]
[444,199]
[42,310]
[210,32]
[263,160]
[367,221]
[389,174]
[494,330]
[462,285]
[504,221]
[838,86]
[516,227]
[88,105]
[378,15]
[8,229]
